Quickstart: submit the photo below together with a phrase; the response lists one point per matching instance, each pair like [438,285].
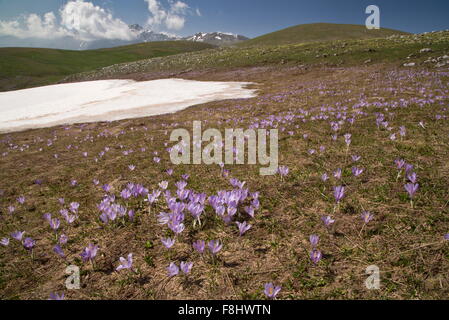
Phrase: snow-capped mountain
[216,38]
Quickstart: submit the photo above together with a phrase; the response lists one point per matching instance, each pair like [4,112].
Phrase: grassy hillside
[318,32]
[341,53]
[28,67]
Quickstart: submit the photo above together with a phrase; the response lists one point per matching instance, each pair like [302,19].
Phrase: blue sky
[253,17]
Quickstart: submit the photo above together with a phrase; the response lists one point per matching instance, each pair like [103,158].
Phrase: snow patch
[108,100]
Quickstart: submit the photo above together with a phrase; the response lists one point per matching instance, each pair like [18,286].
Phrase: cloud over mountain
[172,18]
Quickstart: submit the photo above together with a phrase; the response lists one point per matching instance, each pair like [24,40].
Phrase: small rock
[367,61]
[411,64]
[425,50]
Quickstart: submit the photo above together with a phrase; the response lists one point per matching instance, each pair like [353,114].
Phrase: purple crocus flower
[250,211]
[132,167]
[70,218]
[63,239]
[367,217]
[125,194]
[199,246]
[21,199]
[58,250]
[4,242]
[125,263]
[168,243]
[243,227]
[89,253]
[271,291]
[11,209]
[348,139]
[18,235]
[61,201]
[315,256]
[56,296]
[186,267]
[357,171]
[446,236]
[408,167]
[181,185]
[29,243]
[399,163]
[176,227]
[339,193]
[54,224]
[163,185]
[327,220]
[131,214]
[337,174]
[411,188]
[412,177]
[283,171]
[324,177]
[314,239]
[214,246]
[173,270]
[356,158]
[74,206]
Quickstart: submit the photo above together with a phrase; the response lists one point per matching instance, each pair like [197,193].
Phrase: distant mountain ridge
[214,38]
[217,38]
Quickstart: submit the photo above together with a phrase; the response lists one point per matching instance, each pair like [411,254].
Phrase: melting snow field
[108,100]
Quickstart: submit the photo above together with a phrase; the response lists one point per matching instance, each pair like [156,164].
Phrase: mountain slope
[28,67]
[319,32]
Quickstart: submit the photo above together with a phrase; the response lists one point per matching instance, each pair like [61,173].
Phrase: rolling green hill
[29,67]
[318,32]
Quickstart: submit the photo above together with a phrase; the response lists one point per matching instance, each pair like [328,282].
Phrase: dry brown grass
[407,244]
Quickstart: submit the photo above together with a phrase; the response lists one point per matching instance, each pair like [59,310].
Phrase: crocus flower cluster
[110,210]
[89,253]
[185,267]
[315,254]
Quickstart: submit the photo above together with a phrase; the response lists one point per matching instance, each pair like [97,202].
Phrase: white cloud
[91,22]
[173,18]
[33,26]
[198,12]
[77,19]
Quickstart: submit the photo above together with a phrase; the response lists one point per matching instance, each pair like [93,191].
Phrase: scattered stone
[367,61]
[411,64]
[425,50]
